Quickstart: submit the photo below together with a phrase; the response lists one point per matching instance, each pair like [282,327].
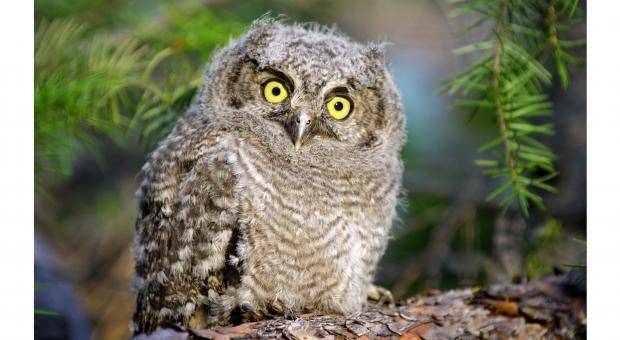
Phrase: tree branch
[553,307]
[497,68]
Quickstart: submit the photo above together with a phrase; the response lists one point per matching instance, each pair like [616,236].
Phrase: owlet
[277,189]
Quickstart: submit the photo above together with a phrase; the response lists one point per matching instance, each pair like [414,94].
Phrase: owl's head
[306,86]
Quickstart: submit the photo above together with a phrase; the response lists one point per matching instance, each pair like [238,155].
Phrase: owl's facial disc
[300,118]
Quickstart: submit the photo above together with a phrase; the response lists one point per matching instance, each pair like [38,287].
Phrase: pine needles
[82,86]
[508,82]
[104,82]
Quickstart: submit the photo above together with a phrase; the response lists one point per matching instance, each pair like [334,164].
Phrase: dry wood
[553,307]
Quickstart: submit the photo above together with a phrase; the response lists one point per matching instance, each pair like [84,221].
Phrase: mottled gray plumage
[234,219]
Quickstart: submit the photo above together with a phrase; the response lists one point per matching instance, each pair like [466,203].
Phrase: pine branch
[92,83]
[497,65]
[83,86]
[509,82]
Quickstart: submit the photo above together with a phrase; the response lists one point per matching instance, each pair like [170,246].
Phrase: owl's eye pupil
[338,106]
[275,91]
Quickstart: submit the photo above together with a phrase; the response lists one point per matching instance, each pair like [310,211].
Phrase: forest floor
[553,307]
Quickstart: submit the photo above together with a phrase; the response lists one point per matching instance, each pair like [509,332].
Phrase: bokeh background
[151,55]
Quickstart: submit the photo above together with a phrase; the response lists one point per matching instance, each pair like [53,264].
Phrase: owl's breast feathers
[225,222]
[311,233]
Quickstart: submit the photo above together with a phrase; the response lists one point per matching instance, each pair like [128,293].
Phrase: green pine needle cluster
[508,82]
[96,82]
[82,85]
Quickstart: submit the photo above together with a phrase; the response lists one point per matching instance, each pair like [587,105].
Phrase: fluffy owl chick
[277,189]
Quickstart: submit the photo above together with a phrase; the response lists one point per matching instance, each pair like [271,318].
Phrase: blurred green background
[111,77]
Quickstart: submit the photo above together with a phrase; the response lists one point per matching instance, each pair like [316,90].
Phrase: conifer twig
[497,65]
[509,82]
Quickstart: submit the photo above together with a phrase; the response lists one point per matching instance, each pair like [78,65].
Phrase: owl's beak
[300,126]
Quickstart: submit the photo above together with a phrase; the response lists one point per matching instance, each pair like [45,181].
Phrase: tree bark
[553,307]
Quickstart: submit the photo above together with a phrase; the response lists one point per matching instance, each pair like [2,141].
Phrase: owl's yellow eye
[275,92]
[339,107]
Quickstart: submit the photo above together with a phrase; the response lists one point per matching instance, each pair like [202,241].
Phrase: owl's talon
[380,295]
[250,313]
[277,307]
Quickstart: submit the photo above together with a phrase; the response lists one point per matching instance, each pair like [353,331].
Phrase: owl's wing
[185,227]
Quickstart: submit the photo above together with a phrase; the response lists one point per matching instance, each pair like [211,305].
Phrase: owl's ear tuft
[376,52]
[266,23]
[262,31]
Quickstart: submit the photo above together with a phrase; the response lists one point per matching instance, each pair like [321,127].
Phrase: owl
[276,191]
